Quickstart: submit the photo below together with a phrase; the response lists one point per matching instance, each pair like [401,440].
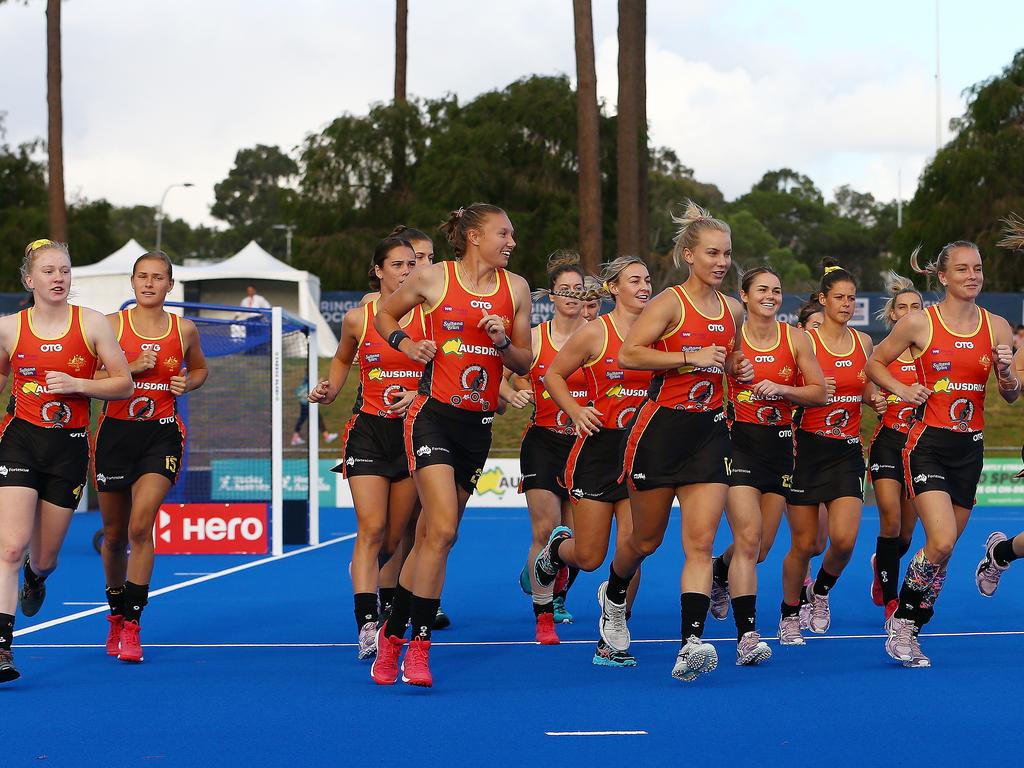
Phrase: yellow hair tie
[604,287]
[36,244]
[831,269]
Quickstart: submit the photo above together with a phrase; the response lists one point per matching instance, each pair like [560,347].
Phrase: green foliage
[975,180]
[255,195]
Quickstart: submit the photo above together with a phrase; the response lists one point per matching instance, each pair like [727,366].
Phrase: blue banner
[249,480]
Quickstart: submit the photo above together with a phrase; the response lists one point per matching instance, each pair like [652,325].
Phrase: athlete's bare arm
[1002,359]
[582,347]
[424,286]
[518,355]
[516,390]
[118,384]
[813,391]
[910,332]
[195,371]
[8,332]
[871,396]
[659,315]
[327,390]
[368,298]
[736,364]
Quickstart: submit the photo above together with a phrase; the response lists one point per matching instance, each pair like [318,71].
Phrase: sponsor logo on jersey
[945,384]
[51,348]
[172,363]
[618,390]
[615,375]
[371,357]
[379,374]
[26,371]
[453,325]
[76,363]
[458,348]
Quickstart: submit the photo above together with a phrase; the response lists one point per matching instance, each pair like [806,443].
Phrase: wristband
[396,338]
[503,347]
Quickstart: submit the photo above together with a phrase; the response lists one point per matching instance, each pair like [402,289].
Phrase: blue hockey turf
[257,667]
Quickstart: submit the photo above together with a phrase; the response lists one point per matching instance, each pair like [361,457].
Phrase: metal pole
[276,443]
[288,244]
[160,211]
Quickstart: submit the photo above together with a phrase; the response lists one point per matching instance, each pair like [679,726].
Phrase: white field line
[189,583]
[595,733]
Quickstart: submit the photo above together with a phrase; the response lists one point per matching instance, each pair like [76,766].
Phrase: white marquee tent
[105,285]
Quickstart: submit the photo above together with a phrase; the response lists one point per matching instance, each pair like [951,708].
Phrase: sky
[157,93]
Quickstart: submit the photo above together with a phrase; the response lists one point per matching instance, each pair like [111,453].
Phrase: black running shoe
[30,599]
[8,671]
[441,620]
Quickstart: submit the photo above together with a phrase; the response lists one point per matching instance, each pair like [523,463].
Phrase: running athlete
[613,395]
[50,352]
[548,439]
[896,514]
[592,298]
[478,319]
[688,336]
[811,315]
[957,345]
[786,373]
[829,463]
[373,455]
[140,443]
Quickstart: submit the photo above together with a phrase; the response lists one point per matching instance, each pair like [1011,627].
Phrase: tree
[55,135]
[975,180]
[852,204]
[255,195]
[631,121]
[587,137]
[401,62]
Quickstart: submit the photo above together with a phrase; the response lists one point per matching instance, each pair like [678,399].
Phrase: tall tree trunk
[401,60]
[631,140]
[587,137]
[58,217]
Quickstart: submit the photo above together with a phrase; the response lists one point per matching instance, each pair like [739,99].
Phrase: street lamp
[160,210]
[288,229]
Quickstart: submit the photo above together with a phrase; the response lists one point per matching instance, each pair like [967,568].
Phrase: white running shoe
[695,658]
[751,649]
[917,658]
[719,600]
[989,571]
[789,631]
[368,640]
[819,617]
[902,639]
[612,624]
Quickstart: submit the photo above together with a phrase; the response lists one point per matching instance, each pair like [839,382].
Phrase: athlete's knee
[373,535]
[805,545]
[747,544]
[11,555]
[841,547]
[589,561]
[139,532]
[441,536]
[646,545]
[939,548]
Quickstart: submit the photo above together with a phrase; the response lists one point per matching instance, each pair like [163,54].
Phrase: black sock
[548,607]
[745,614]
[824,582]
[1003,552]
[720,571]
[910,604]
[400,610]
[6,631]
[32,578]
[115,599]
[693,609]
[555,559]
[387,598]
[924,615]
[135,598]
[789,610]
[904,547]
[887,561]
[573,573]
[617,586]
[422,613]
[366,608]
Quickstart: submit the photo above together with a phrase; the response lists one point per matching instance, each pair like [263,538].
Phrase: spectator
[253,300]
[302,393]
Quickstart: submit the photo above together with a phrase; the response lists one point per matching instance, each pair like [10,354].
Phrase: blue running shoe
[562,616]
[524,581]
[544,568]
[604,656]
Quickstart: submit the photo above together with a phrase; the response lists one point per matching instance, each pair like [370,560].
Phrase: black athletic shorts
[55,462]
[936,459]
[127,449]
[885,458]
[438,433]
[373,445]
[593,467]
[826,468]
[543,458]
[669,448]
[762,457]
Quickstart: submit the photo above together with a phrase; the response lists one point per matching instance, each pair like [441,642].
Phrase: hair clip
[458,213]
[604,287]
[831,269]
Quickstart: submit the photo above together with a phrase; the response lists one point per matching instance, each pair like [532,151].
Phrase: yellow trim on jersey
[682,313]
[120,324]
[17,335]
[789,339]
[981,319]
[604,344]
[900,357]
[497,281]
[540,345]
[772,348]
[721,303]
[366,321]
[61,335]
[511,293]
[181,338]
[931,334]
[860,341]
[85,336]
[170,325]
[444,290]
[853,346]
[991,333]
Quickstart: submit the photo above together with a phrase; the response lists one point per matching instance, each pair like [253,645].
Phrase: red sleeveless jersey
[33,356]
[612,390]
[955,368]
[840,417]
[546,412]
[899,415]
[690,388]
[152,399]
[466,370]
[776,363]
[384,372]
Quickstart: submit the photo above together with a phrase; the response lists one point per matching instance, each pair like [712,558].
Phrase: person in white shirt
[253,300]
